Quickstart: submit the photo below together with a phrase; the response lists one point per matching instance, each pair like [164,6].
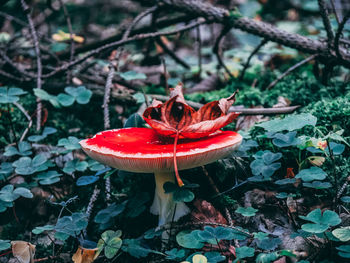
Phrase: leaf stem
[178,178]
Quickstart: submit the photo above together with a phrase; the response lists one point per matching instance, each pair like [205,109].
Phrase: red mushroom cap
[143,150]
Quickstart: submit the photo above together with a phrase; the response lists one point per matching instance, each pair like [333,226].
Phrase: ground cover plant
[70,69]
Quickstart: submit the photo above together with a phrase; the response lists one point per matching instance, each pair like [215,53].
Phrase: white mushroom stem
[163,204]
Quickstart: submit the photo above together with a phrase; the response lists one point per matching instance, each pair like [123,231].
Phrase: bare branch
[326,22]
[38,61]
[256,50]
[272,84]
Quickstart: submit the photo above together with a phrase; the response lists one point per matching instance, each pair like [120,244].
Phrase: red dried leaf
[175,116]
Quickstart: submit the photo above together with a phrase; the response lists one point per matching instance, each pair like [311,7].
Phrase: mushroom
[180,138]
[143,150]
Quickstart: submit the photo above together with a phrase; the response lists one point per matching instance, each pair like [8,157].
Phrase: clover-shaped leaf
[269,243]
[180,194]
[313,173]
[107,214]
[42,94]
[284,140]
[95,165]
[27,166]
[342,233]
[131,75]
[10,94]
[23,149]
[70,143]
[75,165]
[175,254]
[344,251]
[46,131]
[246,211]
[188,239]
[9,194]
[49,177]
[5,170]
[72,225]
[244,252]
[111,243]
[79,94]
[320,221]
[265,165]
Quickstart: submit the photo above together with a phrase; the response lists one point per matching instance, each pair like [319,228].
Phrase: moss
[332,113]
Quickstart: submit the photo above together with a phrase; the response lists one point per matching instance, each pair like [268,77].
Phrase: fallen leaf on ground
[23,251]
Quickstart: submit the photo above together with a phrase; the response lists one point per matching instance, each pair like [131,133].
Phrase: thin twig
[20,107]
[165,73]
[299,64]
[122,42]
[256,50]
[71,36]
[217,49]
[106,97]
[164,47]
[199,50]
[326,22]
[339,34]
[335,11]
[38,61]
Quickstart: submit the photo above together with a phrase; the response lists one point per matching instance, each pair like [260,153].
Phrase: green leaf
[65,99]
[345,199]
[10,95]
[318,185]
[344,251]
[218,233]
[40,229]
[175,254]
[343,233]
[48,178]
[4,244]
[187,240]
[131,75]
[135,120]
[112,242]
[72,225]
[86,180]
[42,94]
[246,211]
[289,123]
[24,192]
[70,143]
[244,252]
[24,149]
[321,221]
[285,140]
[135,249]
[107,214]
[180,194]
[269,243]
[313,173]
[137,204]
[260,235]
